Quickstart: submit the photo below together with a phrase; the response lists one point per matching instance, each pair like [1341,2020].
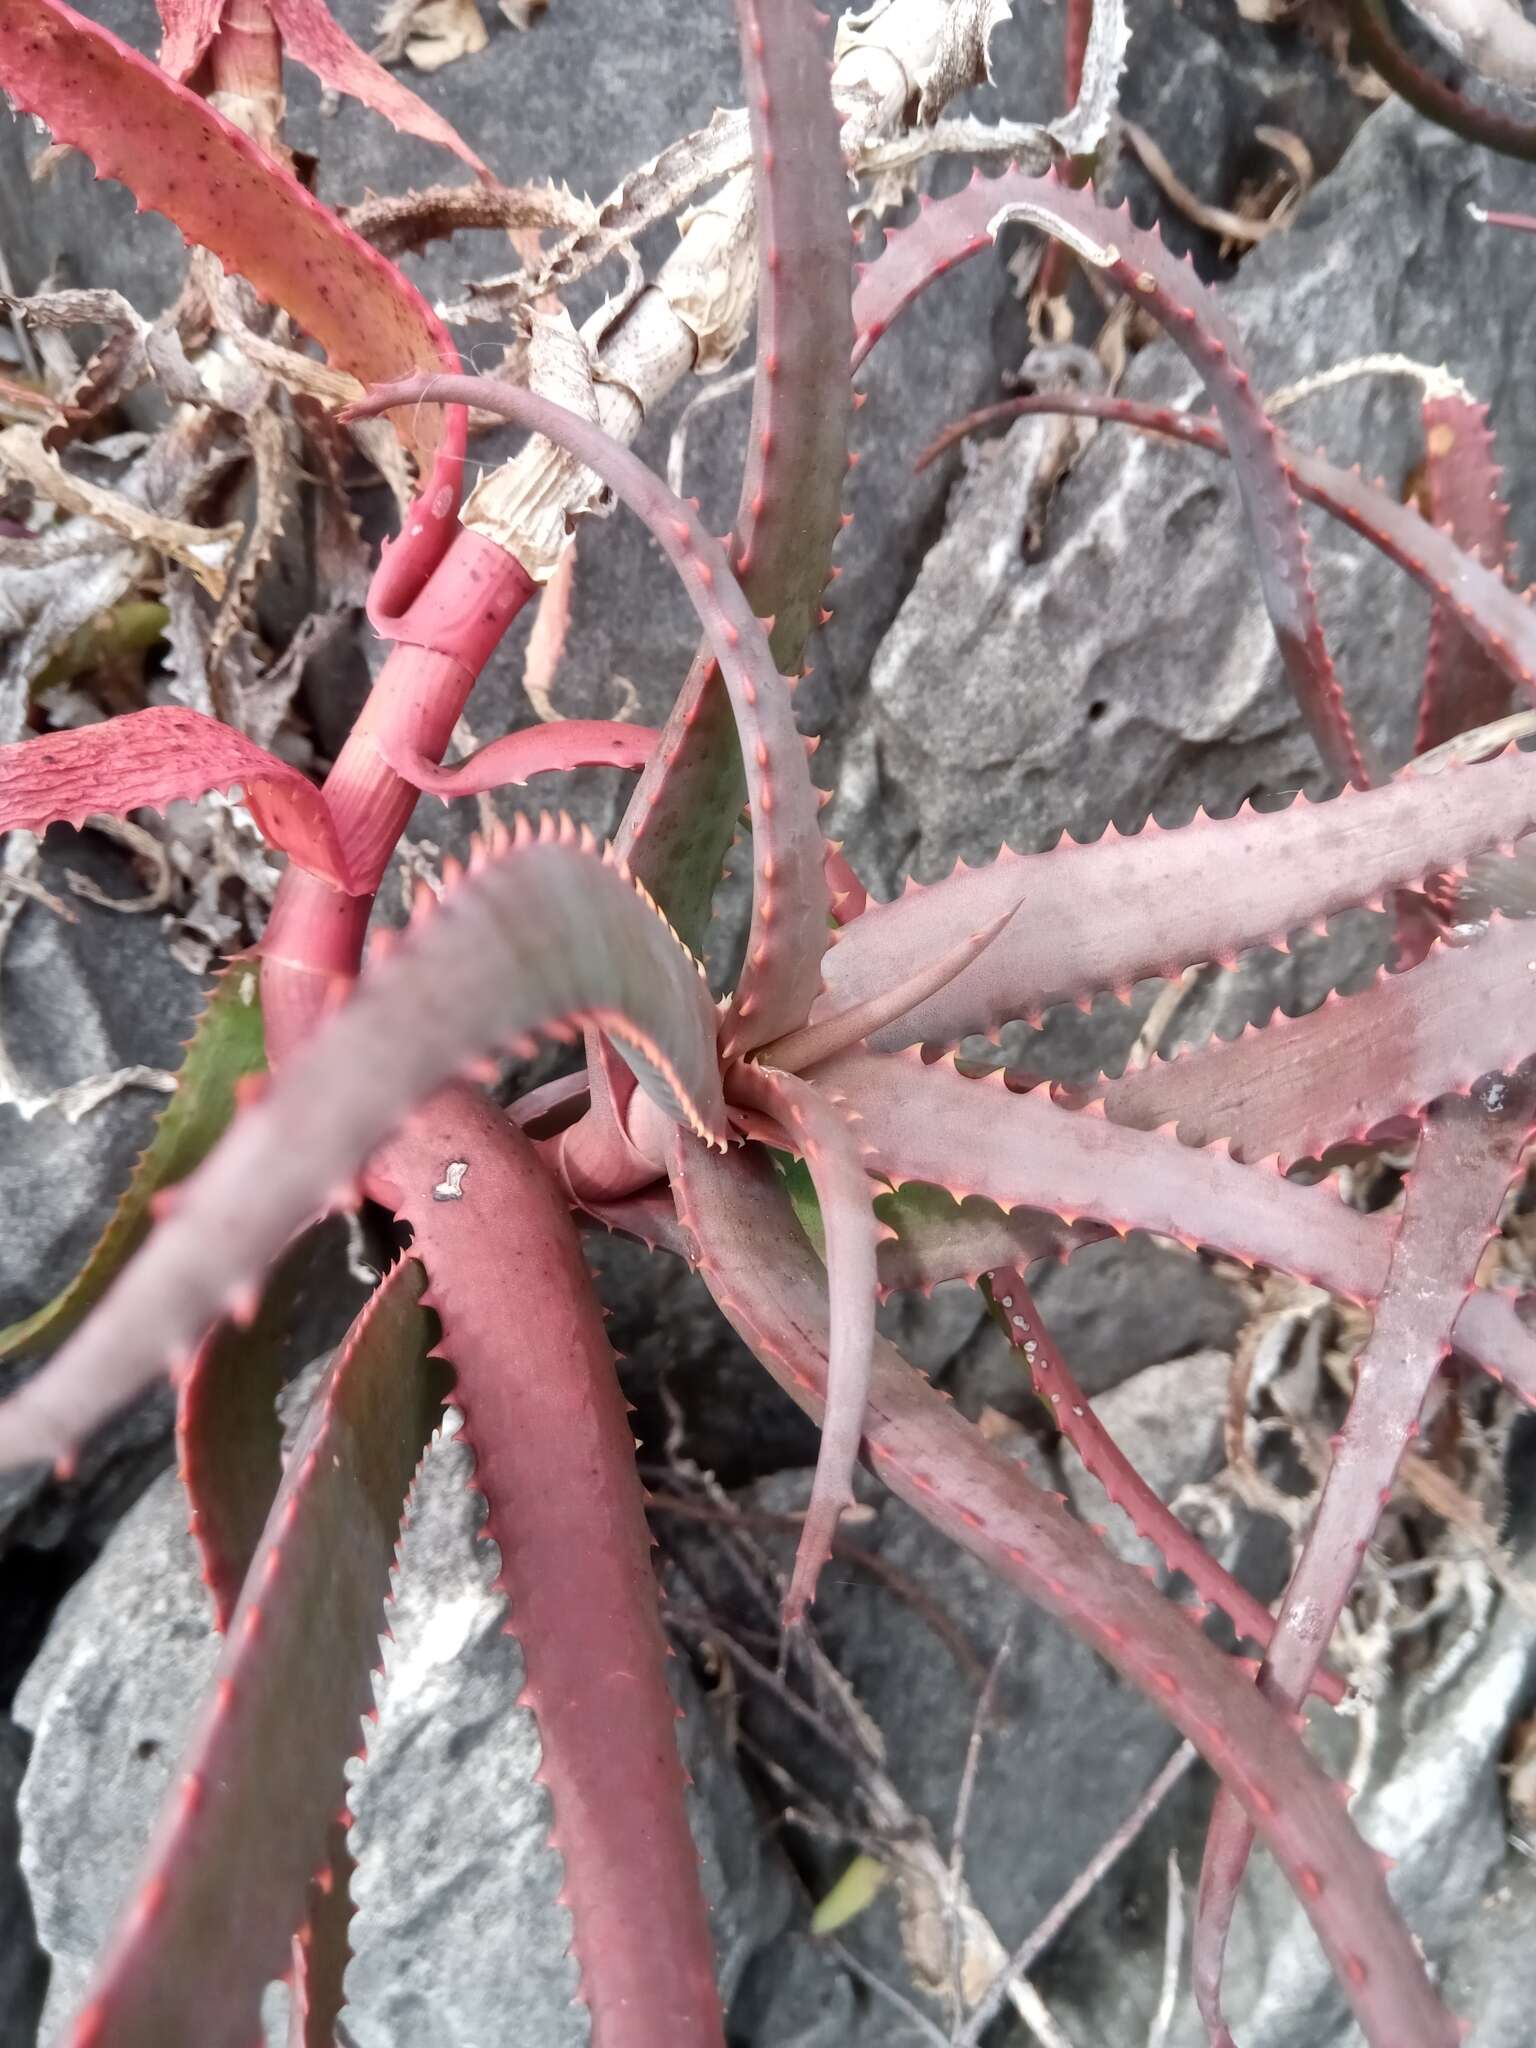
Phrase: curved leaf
[823,1137]
[554,1457]
[248,1824]
[151,759]
[1167,288]
[545,937]
[770,1287]
[679,824]
[1468,594]
[1428,95]
[790,895]
[1107,914]
[1467,1157]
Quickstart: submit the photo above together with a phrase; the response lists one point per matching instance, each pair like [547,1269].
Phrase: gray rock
[1114,1308]
[76,1000]
[1133,667]
[1070,1751]
[23,1971]
[458,1936]
[1433,1802]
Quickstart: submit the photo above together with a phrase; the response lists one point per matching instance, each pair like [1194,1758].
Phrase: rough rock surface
[458,1936]
[1132,668]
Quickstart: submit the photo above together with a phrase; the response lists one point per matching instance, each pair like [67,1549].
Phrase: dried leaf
[650,194]
[43,606]
[546,641]
[206,551]
[1082,130]
[563,490]
[404,222]
[432,33]
[274,475]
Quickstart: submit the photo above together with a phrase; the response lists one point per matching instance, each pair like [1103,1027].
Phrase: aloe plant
[824,1049]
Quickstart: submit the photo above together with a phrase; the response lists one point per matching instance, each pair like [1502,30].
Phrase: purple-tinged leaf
[844,1029]
[1467,1157]
[322,1949]
[1463,686]
[815,1128]
[543,1412]
[149,759]
[771,1288]
[224,1050]
[546,937]
[980,1137]
[1107,914]
[678,828]
[797,446]
[789,896]
[1304,1083]
[248,1823]
[229,1440]
[229,1443]
[537,750]
[1074,1415]
[1480,602]
[929,1123]
[1135,259]
[1430,96]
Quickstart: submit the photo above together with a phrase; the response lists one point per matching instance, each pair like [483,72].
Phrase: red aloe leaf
[187,28]
[1463,687]
[1480,602]
[229,1444]
[322,1948]
[771,1288]
[929,1123]
[322,46]
[1188,312]
[544,1414]
[544,938]
[249,1822]
[1429,95]
[1074,1415]
[789,896]
[1304,1083]
[816,1129]
[229,1441]
[980,1137]
[1106,914]
[679,824]
[149,759]
[180,158]
[223,1051]
[797,447]
[1467,1157]
[311,34]
[537,750]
